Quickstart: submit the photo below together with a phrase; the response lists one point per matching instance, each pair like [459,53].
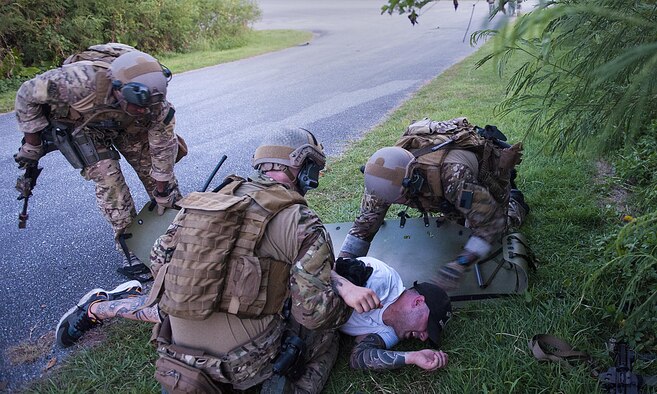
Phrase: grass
[255,43]
[486,342]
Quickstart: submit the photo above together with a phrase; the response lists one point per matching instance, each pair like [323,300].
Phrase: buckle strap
[550,348]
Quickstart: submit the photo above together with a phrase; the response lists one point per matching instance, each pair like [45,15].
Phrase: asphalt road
[359,66]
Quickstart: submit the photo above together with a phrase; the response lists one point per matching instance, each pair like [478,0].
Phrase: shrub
[42,33]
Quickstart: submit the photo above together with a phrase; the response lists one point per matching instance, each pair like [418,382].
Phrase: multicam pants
[325,352]
[112,192]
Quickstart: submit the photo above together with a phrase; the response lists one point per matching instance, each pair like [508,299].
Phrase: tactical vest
[430,142]
[214,267]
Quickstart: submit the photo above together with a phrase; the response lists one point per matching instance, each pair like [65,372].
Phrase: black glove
[354,270]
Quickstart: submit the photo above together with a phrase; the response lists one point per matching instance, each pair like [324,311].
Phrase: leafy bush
[625,286]
[38,33]
[638,168]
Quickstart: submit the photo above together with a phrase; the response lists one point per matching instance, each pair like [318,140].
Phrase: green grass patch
[254,43]
[486,342]
[257,42]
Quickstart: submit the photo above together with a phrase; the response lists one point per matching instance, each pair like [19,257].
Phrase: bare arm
[370,353]
[361,299]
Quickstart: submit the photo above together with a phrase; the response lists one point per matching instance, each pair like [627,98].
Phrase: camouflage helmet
[140,78]
[386,173]
[291,148]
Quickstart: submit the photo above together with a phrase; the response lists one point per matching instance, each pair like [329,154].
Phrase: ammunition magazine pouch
[181,368]
[78,148]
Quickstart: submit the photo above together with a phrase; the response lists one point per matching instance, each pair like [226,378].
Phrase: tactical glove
[510,157]
[28,154]
[450,274]
[165,200]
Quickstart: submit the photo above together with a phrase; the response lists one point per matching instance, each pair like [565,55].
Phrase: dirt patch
[31,350]
[616,195]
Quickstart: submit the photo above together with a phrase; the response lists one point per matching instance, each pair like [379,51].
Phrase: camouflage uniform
[296,236]
[486,217]
[69,95]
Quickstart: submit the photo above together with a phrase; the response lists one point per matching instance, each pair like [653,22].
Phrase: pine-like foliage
[591,81]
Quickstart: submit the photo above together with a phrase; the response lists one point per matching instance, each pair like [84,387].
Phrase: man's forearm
[370,353]
[128,308]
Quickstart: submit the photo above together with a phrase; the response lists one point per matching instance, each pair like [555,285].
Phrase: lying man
[420,312]
[384,313]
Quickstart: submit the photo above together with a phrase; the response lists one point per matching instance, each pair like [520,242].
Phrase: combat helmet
[292,148]
[140,78]
[389,173]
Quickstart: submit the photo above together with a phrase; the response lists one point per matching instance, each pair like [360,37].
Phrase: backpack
[430,141]
[102,53]
[214,267]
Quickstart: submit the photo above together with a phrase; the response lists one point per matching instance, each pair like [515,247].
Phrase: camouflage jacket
[484,215]
[68,94]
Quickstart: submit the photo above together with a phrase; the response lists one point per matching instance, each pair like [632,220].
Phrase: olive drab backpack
[214,267]
[430,141]
[101,56]
[105,53]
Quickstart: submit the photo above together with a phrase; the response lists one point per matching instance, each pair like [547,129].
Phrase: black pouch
[176,377]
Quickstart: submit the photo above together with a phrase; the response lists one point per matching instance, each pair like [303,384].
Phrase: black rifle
[620,379]
[24,184]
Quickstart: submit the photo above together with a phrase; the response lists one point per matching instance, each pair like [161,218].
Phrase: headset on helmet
[296,148]
[389,174]
[140,78]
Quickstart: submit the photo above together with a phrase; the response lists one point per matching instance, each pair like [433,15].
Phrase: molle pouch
[176,377]
[244,280]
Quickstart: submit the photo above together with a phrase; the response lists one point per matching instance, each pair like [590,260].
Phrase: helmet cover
[291,148]
[385,172]
[140,78]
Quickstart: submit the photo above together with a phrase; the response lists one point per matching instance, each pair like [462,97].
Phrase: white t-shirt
[388,286]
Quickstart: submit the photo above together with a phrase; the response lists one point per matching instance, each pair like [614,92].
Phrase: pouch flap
[207,201]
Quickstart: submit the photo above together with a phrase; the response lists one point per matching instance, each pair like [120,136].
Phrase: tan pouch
[182,148]
[244,282]
[177,377]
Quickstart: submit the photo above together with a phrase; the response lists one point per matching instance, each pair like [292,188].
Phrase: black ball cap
[440,309]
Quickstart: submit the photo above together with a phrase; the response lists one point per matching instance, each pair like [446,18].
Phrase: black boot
[517,196]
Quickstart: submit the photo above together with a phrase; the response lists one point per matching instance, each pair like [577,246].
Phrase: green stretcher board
[415,251]
[145,229]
